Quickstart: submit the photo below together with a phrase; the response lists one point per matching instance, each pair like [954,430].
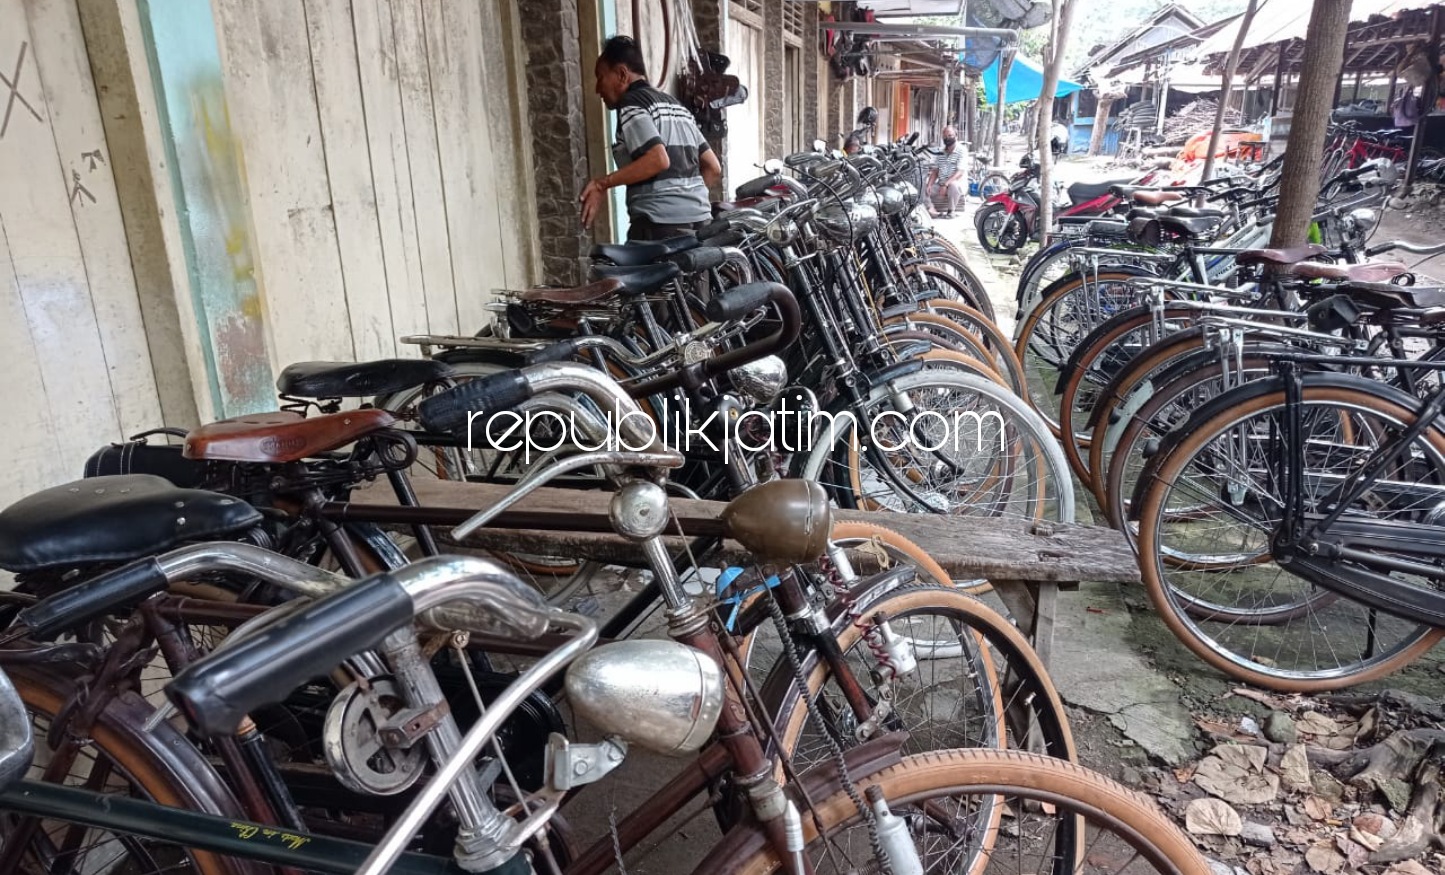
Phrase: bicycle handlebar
[1416,248]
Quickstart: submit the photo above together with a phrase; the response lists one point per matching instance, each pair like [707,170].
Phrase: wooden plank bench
[1027,563]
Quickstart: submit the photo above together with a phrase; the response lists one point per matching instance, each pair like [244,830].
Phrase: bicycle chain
[835,752]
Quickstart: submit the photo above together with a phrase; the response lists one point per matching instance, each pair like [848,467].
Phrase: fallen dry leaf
[1238,778]
[1295,769]
[1325,859]
[1212,817]
[1374,824]
[1274,702]
[1369,840]
[1355,855]
[1317,808]
[1315,723]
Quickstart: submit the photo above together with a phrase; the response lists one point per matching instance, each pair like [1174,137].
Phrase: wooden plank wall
[386,185]
[78,372]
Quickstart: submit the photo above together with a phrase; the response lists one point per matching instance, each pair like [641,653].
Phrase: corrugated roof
[1280,20]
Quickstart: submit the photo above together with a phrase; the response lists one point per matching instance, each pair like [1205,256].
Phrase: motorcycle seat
[1081,192]
[578,296]
[113,519]
[640,253]
[1278,257]
[358,379]
[641,280]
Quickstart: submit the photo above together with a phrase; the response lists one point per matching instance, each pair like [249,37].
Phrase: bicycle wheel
[943,443]
[117,757]
[1066,820]
[951,336]
[957,267]
[975,321]
[992,183]
[1070,310]
[1119,353]
[1214,501]
[926,282]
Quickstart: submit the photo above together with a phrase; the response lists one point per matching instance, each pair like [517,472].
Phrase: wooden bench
[1027,563]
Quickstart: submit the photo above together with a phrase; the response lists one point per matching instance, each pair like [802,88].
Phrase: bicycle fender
[1249,392]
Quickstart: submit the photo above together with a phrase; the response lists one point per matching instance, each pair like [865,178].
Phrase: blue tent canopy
[1025,81]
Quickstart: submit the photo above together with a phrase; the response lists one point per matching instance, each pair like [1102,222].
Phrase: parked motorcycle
[1007,220]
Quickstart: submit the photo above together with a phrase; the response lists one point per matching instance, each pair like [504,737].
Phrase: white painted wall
[382,168]
[78,370]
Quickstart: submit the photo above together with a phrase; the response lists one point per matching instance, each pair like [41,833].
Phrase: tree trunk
[1005,62]
[1230,67]
[1053,63]
[1101,124]
[1304,152]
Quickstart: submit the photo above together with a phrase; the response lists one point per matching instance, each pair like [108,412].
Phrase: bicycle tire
[1042,358]
[836,439]
[1070,788]
[161,764]
[977,321]
[1165,472]
[951,287]
[899,548]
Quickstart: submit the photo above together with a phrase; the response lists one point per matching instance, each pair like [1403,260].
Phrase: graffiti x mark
[13,83]
[79,190]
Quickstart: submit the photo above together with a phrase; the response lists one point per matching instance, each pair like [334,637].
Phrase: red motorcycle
[1006,221]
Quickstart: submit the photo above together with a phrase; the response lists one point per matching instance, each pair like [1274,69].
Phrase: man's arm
[711,168]
[647,165]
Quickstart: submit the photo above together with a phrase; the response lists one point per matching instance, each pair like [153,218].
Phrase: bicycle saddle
[638,254]
[1369,272]
[282,436]
[1080,192]
[1109,228]
[113,519]
[643,280]
[1184,212]
[579,296]
[1280,257]
[1387,296]
[1187,227]
[358,379]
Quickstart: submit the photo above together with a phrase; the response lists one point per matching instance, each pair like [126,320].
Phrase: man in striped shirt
[946,180]
[661,156]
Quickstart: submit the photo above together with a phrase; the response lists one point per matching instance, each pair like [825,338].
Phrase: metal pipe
[1007,35]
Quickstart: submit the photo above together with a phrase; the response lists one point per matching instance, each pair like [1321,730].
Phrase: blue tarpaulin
[1025,81]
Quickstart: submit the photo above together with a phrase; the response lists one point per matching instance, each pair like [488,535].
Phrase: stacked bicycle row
[224,662]
[1262,424]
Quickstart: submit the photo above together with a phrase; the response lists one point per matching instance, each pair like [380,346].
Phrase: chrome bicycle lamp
[659,695]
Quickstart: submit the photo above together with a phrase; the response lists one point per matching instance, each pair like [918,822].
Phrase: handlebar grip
[712,229]
[1379,249]
[756,187]
[913,138]
[93,598]
[700,259]
[738,302]
[726,238]
[221,689]
[561,351]
[451,410]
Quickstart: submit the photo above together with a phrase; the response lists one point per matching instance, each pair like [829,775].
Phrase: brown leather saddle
[273,438]
[1369,272]
[1280,257]
[591,294]
[1156,198]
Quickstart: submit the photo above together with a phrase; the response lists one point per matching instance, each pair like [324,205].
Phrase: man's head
[950,136]
[619,65]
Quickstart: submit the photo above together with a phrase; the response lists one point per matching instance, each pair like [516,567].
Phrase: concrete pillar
[773,73]
[812,58]
[555,91]
[708,17]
